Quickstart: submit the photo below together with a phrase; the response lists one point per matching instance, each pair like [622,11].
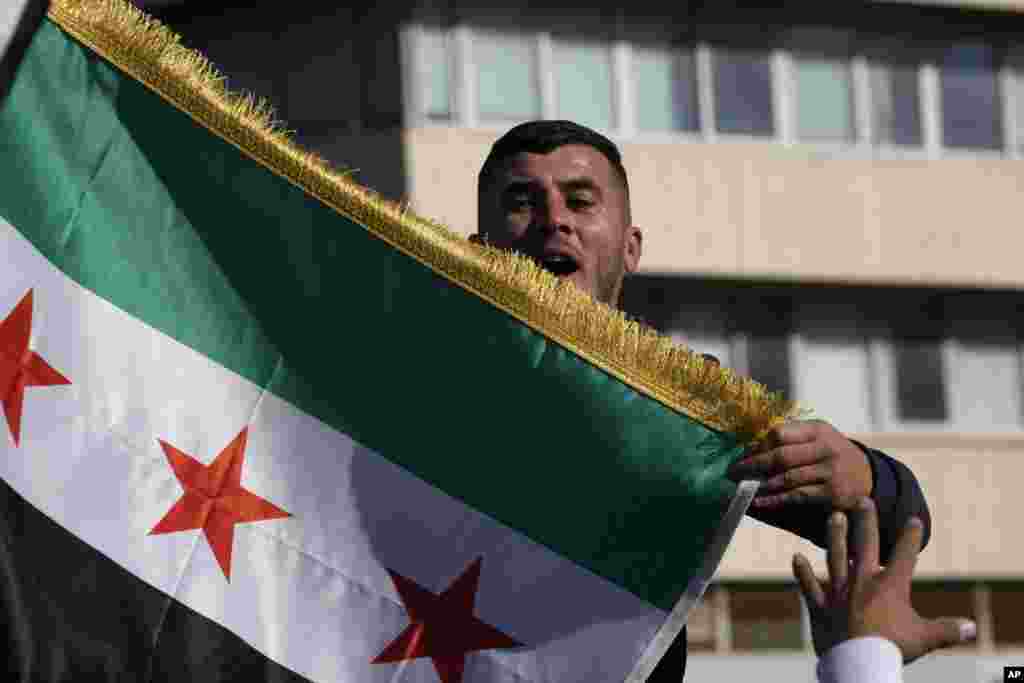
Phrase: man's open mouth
[559,265]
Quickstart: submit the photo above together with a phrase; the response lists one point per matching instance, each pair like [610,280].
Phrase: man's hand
[806,462]
[873,601]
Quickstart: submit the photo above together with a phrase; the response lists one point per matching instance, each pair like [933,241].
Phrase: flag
[261,424]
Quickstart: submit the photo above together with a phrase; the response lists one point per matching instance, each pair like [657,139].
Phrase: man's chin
[581,281]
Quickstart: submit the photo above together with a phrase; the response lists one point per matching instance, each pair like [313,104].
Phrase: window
[920,385]
[506,76]
[918,363]
[970,97]
[895,98]
[583,83]
[833,352]
[953,362]
[862,358]
[436,68]
[766,332]
[823,86]
[985,376]
[768,361]
[824,96]
[985,372]
[701,326]
[665,82]
[742,84]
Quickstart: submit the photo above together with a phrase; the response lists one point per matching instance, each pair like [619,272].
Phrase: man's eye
[580,201]
[517,202]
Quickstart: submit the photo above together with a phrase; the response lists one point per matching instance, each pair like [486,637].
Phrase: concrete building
[828,192]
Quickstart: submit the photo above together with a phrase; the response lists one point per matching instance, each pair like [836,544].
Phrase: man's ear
[633,246]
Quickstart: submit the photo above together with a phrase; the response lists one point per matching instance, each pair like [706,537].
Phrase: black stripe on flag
[69,613]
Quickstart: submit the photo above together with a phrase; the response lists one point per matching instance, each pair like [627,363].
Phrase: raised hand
[862,598]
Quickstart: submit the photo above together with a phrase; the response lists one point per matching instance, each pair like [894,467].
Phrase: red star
[19,367]
[214,499]
[443,626]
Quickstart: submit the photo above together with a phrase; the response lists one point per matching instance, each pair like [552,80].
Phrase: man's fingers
[865,539]
[792,432]
[797,431]
[766,464]
[948,632]
[805,495]
[809,584]
[838,562]
[904,554]
[816,473]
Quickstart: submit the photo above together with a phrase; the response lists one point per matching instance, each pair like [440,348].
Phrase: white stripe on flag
[311,591]
[11,12]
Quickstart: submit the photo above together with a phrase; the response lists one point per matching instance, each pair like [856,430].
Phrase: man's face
[568,211]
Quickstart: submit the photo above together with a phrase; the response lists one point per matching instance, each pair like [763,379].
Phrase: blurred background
[830,195]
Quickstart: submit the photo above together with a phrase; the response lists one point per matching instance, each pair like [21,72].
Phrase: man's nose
[556,216]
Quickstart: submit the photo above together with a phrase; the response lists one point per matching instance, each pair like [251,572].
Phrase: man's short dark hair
[543,137]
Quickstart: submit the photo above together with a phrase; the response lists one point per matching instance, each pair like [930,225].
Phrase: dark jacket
[897,496]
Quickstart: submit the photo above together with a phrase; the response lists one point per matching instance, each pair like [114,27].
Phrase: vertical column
[862,105]
[705,91]
[723,621]
[982,595]
[623,96]
[931,109]
[783,96]
[464,76]
[1009,92]
[546,75]
[806,634]
[410,40]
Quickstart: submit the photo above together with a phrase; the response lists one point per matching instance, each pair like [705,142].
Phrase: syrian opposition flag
[259,424]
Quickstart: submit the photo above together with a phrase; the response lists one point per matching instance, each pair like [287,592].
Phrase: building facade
[830,196]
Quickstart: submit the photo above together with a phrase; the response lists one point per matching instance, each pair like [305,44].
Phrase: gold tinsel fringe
[151,53]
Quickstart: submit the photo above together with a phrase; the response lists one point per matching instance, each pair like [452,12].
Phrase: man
[863,625]
[557,192]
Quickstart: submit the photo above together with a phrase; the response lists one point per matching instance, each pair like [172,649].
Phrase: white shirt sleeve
[862,660]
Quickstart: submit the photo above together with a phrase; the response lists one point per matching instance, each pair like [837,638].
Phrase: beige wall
[760,209]
[973,488]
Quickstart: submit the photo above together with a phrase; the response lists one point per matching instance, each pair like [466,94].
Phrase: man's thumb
[949,632]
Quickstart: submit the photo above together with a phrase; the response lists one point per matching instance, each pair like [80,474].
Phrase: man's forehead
[568,162]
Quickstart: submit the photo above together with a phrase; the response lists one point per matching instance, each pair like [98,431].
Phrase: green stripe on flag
[136,202]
